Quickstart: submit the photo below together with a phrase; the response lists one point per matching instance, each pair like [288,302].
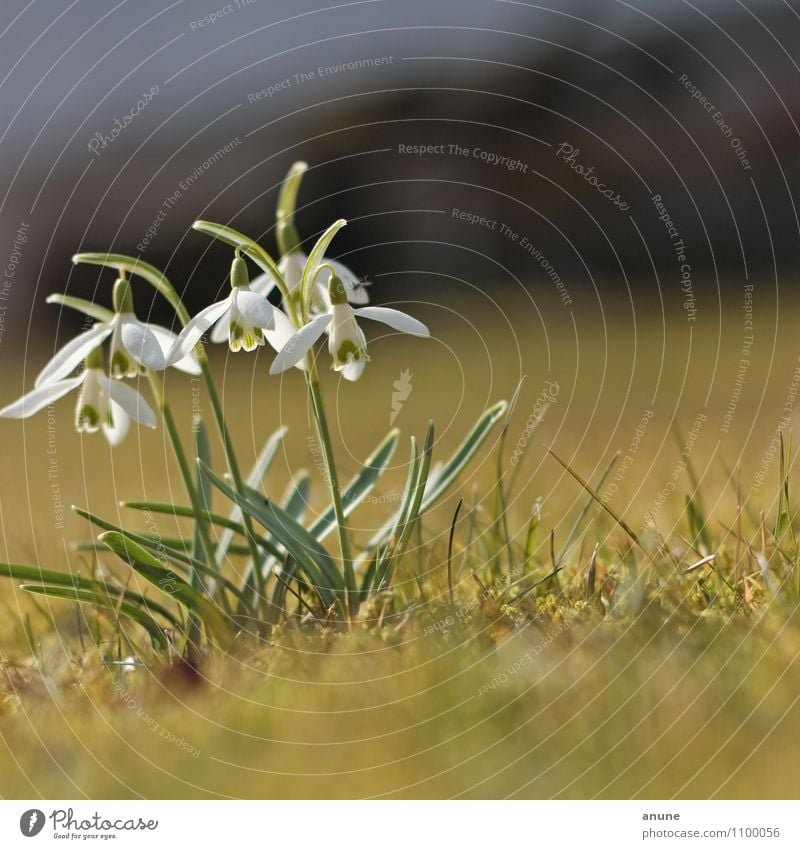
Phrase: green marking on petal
[122,365]
[88,418]
[247,338]
[348,351]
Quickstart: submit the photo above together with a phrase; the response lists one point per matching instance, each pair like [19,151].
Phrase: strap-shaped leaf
[254,479]
[152,569]
[310,555]
[51,577]
[295,499]
[161,548]
[360,486]
[85,596]
[444,477]
[184,511]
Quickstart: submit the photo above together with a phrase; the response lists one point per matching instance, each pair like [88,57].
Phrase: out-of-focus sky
[119,119]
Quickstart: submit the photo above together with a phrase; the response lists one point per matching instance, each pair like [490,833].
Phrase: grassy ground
[645,680]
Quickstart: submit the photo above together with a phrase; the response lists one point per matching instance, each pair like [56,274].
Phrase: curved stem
[236,475]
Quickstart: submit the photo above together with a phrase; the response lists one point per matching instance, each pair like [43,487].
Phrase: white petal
[263,284]
[354,369]
[190,335]
[39,398]
[130,401]
[395,319]
[166,339]
[119,427]
[255,308]
[356,293]
[299,343]
[221,329]
[68,358]
[282,333]
[141,343]
[291,267]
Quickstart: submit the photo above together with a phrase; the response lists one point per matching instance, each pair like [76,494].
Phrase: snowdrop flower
[134,344]
[247,314]
[291,267]
[346,341]
[103,403]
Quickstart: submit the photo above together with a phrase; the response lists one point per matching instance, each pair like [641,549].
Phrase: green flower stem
[236,475]
[312,381]
[186,473]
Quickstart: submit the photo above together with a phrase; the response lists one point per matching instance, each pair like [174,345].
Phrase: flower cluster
[317,296]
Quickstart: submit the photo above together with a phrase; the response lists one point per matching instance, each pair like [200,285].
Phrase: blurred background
[597,194]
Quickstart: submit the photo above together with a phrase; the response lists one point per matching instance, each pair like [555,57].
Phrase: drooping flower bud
[239,273]
[337,290]
[121,364]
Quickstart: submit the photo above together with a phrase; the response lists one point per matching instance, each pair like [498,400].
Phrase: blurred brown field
[673,704]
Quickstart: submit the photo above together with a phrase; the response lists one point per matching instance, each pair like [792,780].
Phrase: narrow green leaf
[295,499]
[360,486]
[52,577]
[161,576]
[442,479]
[254,479]
[307,551]
[161,549]
[85,596]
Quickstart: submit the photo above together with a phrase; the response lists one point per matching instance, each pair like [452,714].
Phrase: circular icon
[31,822]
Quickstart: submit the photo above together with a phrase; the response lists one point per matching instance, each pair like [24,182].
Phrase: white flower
[346,341]
[246,313]
[103,403]
[134,343]
[292,266]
